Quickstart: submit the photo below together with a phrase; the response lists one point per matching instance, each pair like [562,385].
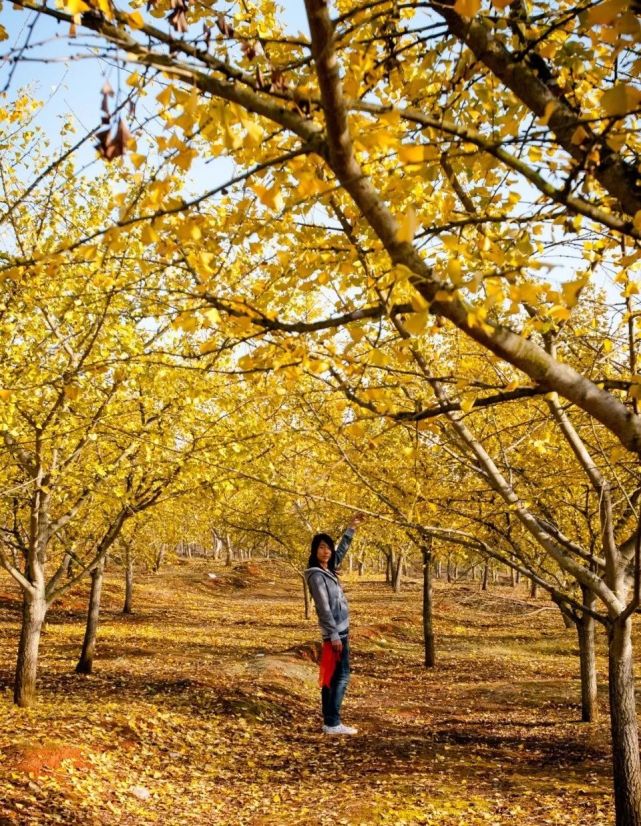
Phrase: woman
[333,618]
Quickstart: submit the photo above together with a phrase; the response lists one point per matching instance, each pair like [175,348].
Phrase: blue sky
[68,85]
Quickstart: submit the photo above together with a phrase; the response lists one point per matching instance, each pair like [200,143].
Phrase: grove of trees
[408,288]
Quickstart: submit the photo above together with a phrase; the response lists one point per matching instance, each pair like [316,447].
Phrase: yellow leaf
[356,429]
[5,395]
[208,346]
[269,197]
[255,133]
[164,97]
[76,7]
[571,290]
[467,8]
[419,303]
[213,316]
[408,226]
[137,159]
[186,322]
[183,160]
[467,404]
[72,391]
[579,136]
[136,20]
[550,106]
[559,313]
[411,153]
[105,7]
[620,99]
[525,292]
[605,13]
[134,79]
[501,4]
[416,323]
[148,234]
[454,271]
[377,358]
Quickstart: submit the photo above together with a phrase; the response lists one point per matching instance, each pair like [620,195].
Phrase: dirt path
[198,713]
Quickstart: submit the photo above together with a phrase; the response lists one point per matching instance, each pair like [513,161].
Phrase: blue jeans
[332,697]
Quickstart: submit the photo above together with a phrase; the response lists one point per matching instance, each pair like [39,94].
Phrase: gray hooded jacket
[329,599]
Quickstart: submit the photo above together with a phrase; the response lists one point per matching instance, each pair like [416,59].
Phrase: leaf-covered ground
[203,710]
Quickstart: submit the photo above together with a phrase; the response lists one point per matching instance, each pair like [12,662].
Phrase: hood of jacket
[309,571]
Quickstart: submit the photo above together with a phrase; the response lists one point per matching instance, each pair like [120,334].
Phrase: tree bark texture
[129,583]
[397,569]
[586,627]
[85,663]
[624,727]
[428,628]
[587,659]
[486,571]
[34,610]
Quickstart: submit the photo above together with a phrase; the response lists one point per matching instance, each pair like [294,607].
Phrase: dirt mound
[308,651]
[379,633]
[284,672]
[251,570]
[41,758]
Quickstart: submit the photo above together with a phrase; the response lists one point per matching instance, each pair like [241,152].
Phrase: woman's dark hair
[313,558]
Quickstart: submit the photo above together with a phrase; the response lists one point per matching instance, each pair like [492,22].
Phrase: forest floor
[203,710]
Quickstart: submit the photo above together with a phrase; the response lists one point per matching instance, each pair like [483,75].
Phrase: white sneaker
[339,729]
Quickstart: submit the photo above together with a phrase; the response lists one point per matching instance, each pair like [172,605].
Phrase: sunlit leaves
[621,99]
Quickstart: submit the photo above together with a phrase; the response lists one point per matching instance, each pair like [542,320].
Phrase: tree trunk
[449,568]
[159,558]
[34,611]
[361,567]
[534,588]
[397,574]
[129,582]
[623,721]
[85,663]
[428,629]
[438,569]
[388,568]
[486,571]
[517,577]
[512,577]
[587,657]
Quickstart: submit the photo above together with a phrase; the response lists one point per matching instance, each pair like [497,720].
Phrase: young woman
[333,618]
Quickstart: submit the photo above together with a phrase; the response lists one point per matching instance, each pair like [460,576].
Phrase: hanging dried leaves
[225,27]
[177,17]
[111,143]
[249,49]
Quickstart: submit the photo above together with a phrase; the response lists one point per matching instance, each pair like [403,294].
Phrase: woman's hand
[337,645]
[356,520]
